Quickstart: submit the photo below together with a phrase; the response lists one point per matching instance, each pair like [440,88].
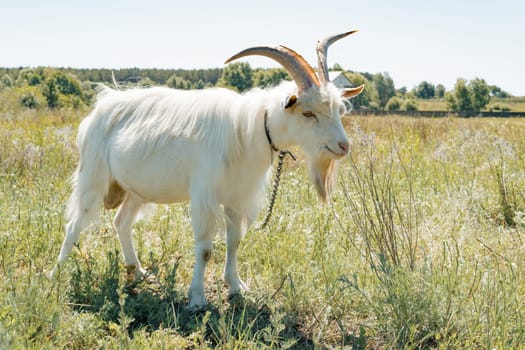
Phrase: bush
[70,102]
[498,108]
[67,84]
[31,77]
[176,82]
[30,97]
[62,90]
[6,82]
[373,106]
[394,104]
[410,105]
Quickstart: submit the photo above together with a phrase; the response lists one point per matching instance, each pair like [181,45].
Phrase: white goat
[212,146]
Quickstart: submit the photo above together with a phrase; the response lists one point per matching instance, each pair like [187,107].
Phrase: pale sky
[436,41]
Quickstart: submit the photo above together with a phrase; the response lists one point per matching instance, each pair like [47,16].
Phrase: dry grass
[513,104]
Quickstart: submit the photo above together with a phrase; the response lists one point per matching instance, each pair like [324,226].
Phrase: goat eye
[309,114]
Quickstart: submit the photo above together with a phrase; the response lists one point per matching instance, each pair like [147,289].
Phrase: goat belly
[160,177]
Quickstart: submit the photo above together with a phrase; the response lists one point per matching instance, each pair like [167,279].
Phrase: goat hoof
[238,288]
[197,301]
[135,274]
[196,307]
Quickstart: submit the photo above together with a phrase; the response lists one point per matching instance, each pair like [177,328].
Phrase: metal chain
[276,181]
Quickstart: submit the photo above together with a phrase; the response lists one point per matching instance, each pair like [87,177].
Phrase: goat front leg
[203,222]
[233,238]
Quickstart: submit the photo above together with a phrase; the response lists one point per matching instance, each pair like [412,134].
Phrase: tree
[460,98]
[402,91]
[50,93]
[425,90]
[496,91]
[385,88]
[369,94]
[269,77]
[440,91]
[468,96]
[471,96]
[337,67]
[237,76]
[480,94]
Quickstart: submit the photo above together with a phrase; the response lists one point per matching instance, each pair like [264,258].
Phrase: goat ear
[290,101]
[352,92]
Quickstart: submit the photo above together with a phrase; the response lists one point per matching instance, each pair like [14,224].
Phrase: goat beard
[323,173]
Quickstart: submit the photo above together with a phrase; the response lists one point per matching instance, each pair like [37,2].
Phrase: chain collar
[270,141]
[267,132]
[277,179]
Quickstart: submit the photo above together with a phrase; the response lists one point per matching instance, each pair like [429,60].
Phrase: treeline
[75,88]
[45,87]
[104,75]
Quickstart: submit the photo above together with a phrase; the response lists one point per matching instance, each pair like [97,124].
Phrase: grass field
[513,104]
[421,247]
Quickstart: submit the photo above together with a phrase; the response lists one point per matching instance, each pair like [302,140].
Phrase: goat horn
[322,48]
[301,72]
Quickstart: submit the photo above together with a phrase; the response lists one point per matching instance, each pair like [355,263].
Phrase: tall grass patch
[435,222]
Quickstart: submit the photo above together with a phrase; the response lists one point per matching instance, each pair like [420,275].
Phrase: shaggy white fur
[161,145]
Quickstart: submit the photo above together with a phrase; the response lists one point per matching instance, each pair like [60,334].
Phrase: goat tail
[91,180]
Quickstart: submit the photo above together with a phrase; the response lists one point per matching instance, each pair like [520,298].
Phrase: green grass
[421,247]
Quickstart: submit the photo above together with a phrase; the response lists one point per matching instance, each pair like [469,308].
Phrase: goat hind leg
[73,230]
[122,223]
[82,209]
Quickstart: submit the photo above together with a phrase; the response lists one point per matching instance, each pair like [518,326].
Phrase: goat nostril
[343,145]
